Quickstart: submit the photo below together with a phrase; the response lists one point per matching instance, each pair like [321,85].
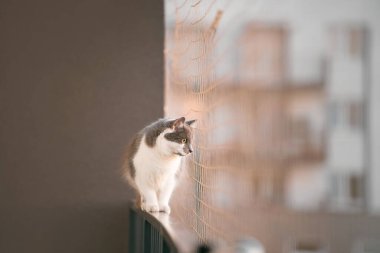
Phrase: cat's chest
[147,161]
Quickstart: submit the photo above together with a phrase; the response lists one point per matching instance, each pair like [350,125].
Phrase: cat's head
[180,136]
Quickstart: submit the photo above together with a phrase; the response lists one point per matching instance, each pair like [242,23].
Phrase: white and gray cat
[153,161]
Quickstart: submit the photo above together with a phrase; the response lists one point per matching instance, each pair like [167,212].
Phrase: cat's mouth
[180,154]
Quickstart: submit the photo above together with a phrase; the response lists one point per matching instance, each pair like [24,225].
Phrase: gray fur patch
[131,152]
[182,134]
[179,134]
[154,130]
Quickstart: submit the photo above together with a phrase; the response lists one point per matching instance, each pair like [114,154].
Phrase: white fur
[156,169]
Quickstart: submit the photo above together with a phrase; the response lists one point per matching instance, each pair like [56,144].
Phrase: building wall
[308,44]
[77,80]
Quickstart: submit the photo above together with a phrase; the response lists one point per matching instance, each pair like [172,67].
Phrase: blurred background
[287,98]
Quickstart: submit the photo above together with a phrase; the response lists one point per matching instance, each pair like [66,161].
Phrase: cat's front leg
[149,200]
[166,192]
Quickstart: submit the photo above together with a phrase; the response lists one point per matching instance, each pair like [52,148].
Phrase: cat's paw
[165,209]
[150,208]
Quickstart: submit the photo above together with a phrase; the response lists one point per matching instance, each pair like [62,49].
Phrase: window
[347,191]
[307,246]
[366,246]
[355,185]
[346,114]
[355,111]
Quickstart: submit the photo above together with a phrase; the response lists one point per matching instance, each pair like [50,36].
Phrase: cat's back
[129,170]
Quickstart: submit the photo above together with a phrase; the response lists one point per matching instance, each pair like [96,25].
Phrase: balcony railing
[158,233]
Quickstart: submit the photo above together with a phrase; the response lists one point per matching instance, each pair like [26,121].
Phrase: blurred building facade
[347,91]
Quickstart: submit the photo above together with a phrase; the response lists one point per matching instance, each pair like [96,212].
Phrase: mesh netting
[232,153]
[260,137]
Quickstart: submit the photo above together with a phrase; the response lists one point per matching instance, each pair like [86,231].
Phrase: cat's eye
[184,141]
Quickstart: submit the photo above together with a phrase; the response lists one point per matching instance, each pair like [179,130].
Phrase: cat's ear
[177,123]
[191,122]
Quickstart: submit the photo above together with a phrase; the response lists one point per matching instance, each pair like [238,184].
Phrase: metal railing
[158,233]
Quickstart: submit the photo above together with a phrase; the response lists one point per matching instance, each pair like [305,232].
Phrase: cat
[153,159]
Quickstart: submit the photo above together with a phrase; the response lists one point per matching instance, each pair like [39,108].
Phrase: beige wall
[77,79]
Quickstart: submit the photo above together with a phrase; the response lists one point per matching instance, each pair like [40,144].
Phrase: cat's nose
[190,150]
